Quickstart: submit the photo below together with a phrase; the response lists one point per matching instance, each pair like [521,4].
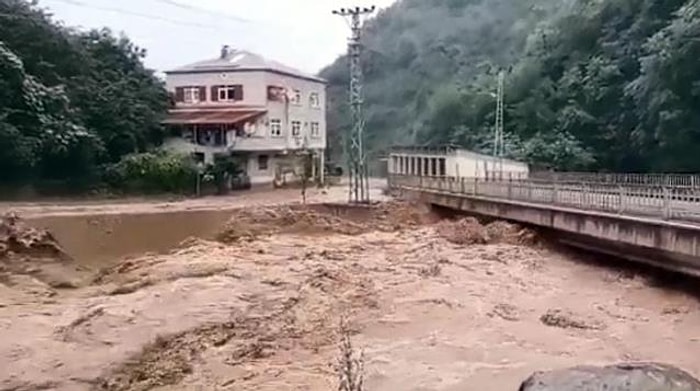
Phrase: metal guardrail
[664,202]
[684,180]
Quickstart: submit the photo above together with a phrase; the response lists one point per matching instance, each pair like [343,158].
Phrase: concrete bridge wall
[667,244]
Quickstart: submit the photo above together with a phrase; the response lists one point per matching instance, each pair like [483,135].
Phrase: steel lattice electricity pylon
[498,141]
[357,160]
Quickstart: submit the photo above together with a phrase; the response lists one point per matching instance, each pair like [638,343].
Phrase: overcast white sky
[300,33]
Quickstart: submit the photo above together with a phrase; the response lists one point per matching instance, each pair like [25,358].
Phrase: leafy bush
[225,170]
[152,172]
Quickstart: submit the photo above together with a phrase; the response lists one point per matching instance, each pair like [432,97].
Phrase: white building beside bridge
[452,162]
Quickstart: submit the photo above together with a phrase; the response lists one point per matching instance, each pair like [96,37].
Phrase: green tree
[70,101]
[606,85]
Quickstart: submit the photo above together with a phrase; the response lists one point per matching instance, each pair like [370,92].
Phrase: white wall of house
[255,84]
[250,80]
[302,111]
[268,173]
[261,175]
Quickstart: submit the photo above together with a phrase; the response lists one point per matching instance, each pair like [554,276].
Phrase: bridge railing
[675,180]
[666,202]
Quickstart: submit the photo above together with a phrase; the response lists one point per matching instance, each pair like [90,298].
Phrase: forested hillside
[70,102]
[591,84]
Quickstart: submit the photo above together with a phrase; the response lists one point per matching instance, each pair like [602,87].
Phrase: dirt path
[432,309]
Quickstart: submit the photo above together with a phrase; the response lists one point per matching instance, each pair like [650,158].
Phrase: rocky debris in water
[167,360]
[619,377]
[505,232]
[430,271]
[468,231]
[567,320]
[505,311]
[250,223]
[64,332]
[263,330]
[255,349]
[18,238]
[33,252]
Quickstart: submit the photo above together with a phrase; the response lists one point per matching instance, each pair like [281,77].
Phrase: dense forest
[590,84]
[75,104]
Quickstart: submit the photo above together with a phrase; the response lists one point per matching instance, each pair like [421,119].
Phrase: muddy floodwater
[254,302]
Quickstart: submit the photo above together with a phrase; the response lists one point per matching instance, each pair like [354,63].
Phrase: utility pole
[498,139]
[357,160]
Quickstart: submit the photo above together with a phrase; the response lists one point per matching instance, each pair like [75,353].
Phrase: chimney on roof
[225,50]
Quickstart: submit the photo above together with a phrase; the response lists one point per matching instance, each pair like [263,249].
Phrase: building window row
[198,94]
[418,165]
[294,97]
[234,93]
[296,126]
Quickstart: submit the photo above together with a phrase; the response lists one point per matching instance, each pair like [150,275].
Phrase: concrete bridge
[653,219]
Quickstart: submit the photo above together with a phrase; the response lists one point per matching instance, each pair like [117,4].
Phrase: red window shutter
[179,94]
[202,94]
[215,93]
[238,92]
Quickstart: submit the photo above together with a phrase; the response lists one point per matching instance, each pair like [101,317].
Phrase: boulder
[619,377]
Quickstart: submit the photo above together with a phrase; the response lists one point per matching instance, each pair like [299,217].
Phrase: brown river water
[179,299]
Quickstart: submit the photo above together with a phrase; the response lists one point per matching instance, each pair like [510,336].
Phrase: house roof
[211,115]
[235,60]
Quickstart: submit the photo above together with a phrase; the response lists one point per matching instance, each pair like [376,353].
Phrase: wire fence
[679,202]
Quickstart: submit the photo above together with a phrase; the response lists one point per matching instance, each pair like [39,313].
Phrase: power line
[122,11]
[205,11]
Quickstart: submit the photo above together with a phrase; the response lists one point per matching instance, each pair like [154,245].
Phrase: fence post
[667,203]
[623,200]
[476,186]
[555,188]
[510,188]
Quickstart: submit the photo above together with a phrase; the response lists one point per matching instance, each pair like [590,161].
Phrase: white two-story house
[244,105]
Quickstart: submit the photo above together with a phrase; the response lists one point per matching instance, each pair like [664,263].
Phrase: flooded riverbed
[255,305]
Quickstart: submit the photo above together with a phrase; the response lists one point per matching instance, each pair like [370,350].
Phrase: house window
[276,94]
[315,129]
[296,97]
[228,93]
[275,128]
[296,128]
[314,100]
[192,95]
[262,162]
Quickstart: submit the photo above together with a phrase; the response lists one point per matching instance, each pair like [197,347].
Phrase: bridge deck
[667,203]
